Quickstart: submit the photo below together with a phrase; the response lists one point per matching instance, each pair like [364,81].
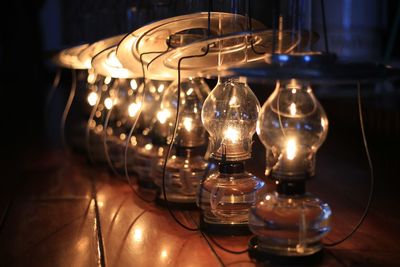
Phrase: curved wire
[226,249]
[54,86]
[67,108]
[171,144]
[87,132]
[372,178]
[105,145]
[127,143]
[324,26]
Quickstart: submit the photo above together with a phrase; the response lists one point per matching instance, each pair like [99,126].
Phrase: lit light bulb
[292,126]
[186,166]
[133,84]
[188,124]
[108,103]
[92,98]
[229,115]
[133,108]
[163,115]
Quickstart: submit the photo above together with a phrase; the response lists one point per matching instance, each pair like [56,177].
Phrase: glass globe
[229,115]
[101,101]
[292,126]
[120,120]
[149,142]
[186,166]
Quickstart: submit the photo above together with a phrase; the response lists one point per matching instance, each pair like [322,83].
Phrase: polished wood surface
[58,210]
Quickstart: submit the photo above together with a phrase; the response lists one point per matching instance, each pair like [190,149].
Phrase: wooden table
[58,210]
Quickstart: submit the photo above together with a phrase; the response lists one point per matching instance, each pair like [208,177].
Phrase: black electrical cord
[372,178]
[67,109]
[324,26]
[127,143]
[105,144]
[171,144]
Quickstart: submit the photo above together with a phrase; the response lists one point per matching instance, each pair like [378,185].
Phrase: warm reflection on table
[49,219]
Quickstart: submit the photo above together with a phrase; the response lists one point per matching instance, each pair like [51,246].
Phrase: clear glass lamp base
[225,200]
[182,178]
[289,225]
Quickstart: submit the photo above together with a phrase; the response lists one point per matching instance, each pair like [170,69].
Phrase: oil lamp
[149,138]
[186,166]
[292,126]
[124,111]
[229,115]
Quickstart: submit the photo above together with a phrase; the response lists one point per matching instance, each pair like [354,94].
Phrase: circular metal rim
[128,49]
[163,64]
[100,65]
[68,58]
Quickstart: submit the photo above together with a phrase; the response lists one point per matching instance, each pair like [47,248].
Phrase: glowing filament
[163,115]
[232,134]
[133,108]
[160,88]
[293,109]
[233,101]
[108,103]
[138,235]
[291,149]
[190,91]
[133,84]
[92,98]
[148,146]
[188,124]
[107,80]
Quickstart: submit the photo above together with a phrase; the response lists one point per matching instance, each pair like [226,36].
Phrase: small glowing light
[130,92]
[294,90]
[92,98]
[283,58]
[109,131]
[163,115]
[133,84]
[309,90]
[160,88]
[190,91]
[133,108]
[232,134]
[138,235]
[293,109]
[100,204]
[268,197]
[99,128]
[195,110]
[152,89]
[291,149]
[98,114]
[91,78]
[148,146]
[92,124]
[107,80]
[108,103]
[133,141]
[122,136]
[188,123]
[164,253]
[233,101]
